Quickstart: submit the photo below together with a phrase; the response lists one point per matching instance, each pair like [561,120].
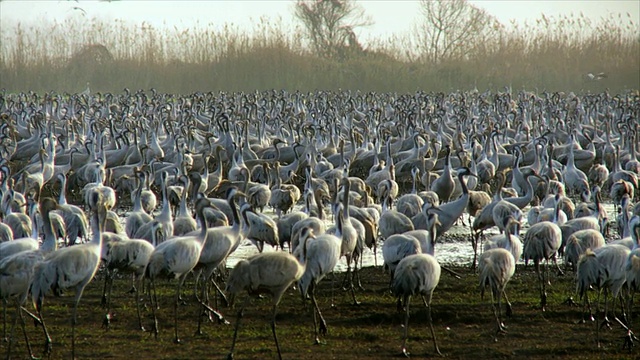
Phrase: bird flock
[164,186]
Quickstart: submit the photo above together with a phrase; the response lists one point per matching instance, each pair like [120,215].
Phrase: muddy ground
[464,325]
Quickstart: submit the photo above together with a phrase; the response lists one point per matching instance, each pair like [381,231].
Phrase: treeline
[554,54]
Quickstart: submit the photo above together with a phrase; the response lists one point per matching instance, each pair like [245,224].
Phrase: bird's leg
[451,272]
[629,338]
[345,280]
[137,295]
[176,339]
[107,318]
[605,320]
[375,252]
[496,314]
[219,317]
[152,285]
[199,299]
[506,299]
[109,294]
[570,302]
[357,276]
[74,320]
[323,324]
[47,343]
[502,328]
[4,320]
[546,272]
[353,290]
[36,319]
[630,307]
[333,286]
[407,298]
[235,330]
[133,289]
[427,303]
[560,272]
[598,325]
[474,245]
[543,296]
[622,308]
[14,321]
[588,303]
[195,284]
[225,301]
[316,340]
[273,329]
[103,302]
[154,307]
[24,331]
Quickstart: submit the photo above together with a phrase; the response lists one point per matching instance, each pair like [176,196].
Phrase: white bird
[417,274]
[17,270]
[220,242]
[262,228]
[75,219]
[507,240]
[175,258]
[579,242]
[71,267]
[541,242]
[395,248]
[496,267]
[183,223]
[602,268]
[137,217]
[319,255]
[596,77]
[127,255]
[632,266]
[30,242]
[16,273]
[349,237]
[265,273]
[445,184]
[21,224]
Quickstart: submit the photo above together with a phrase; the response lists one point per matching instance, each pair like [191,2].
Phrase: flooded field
[454,248]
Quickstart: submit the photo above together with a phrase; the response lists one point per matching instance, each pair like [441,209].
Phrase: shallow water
[448,250]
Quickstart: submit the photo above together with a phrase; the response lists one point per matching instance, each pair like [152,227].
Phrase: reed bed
[553,54]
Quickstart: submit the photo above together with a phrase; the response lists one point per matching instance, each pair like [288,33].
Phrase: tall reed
[553,54]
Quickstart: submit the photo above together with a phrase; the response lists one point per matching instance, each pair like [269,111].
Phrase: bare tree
[330,24]
[453,29]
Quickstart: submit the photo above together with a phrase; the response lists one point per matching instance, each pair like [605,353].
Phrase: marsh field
[464,324]
[552,58]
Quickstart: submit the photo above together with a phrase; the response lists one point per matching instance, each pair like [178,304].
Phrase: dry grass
[555,54]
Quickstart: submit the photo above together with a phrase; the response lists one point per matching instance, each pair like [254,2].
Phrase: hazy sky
[390,17]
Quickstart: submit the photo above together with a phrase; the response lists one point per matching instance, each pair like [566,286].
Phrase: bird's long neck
[137,198]
[50,242]
[234,211]
[318,200]
[97,226]
[183,201]
[62,199]
[34,227]
[433,234]
[205,225]
[345,198]
[556,211]
[463,184]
